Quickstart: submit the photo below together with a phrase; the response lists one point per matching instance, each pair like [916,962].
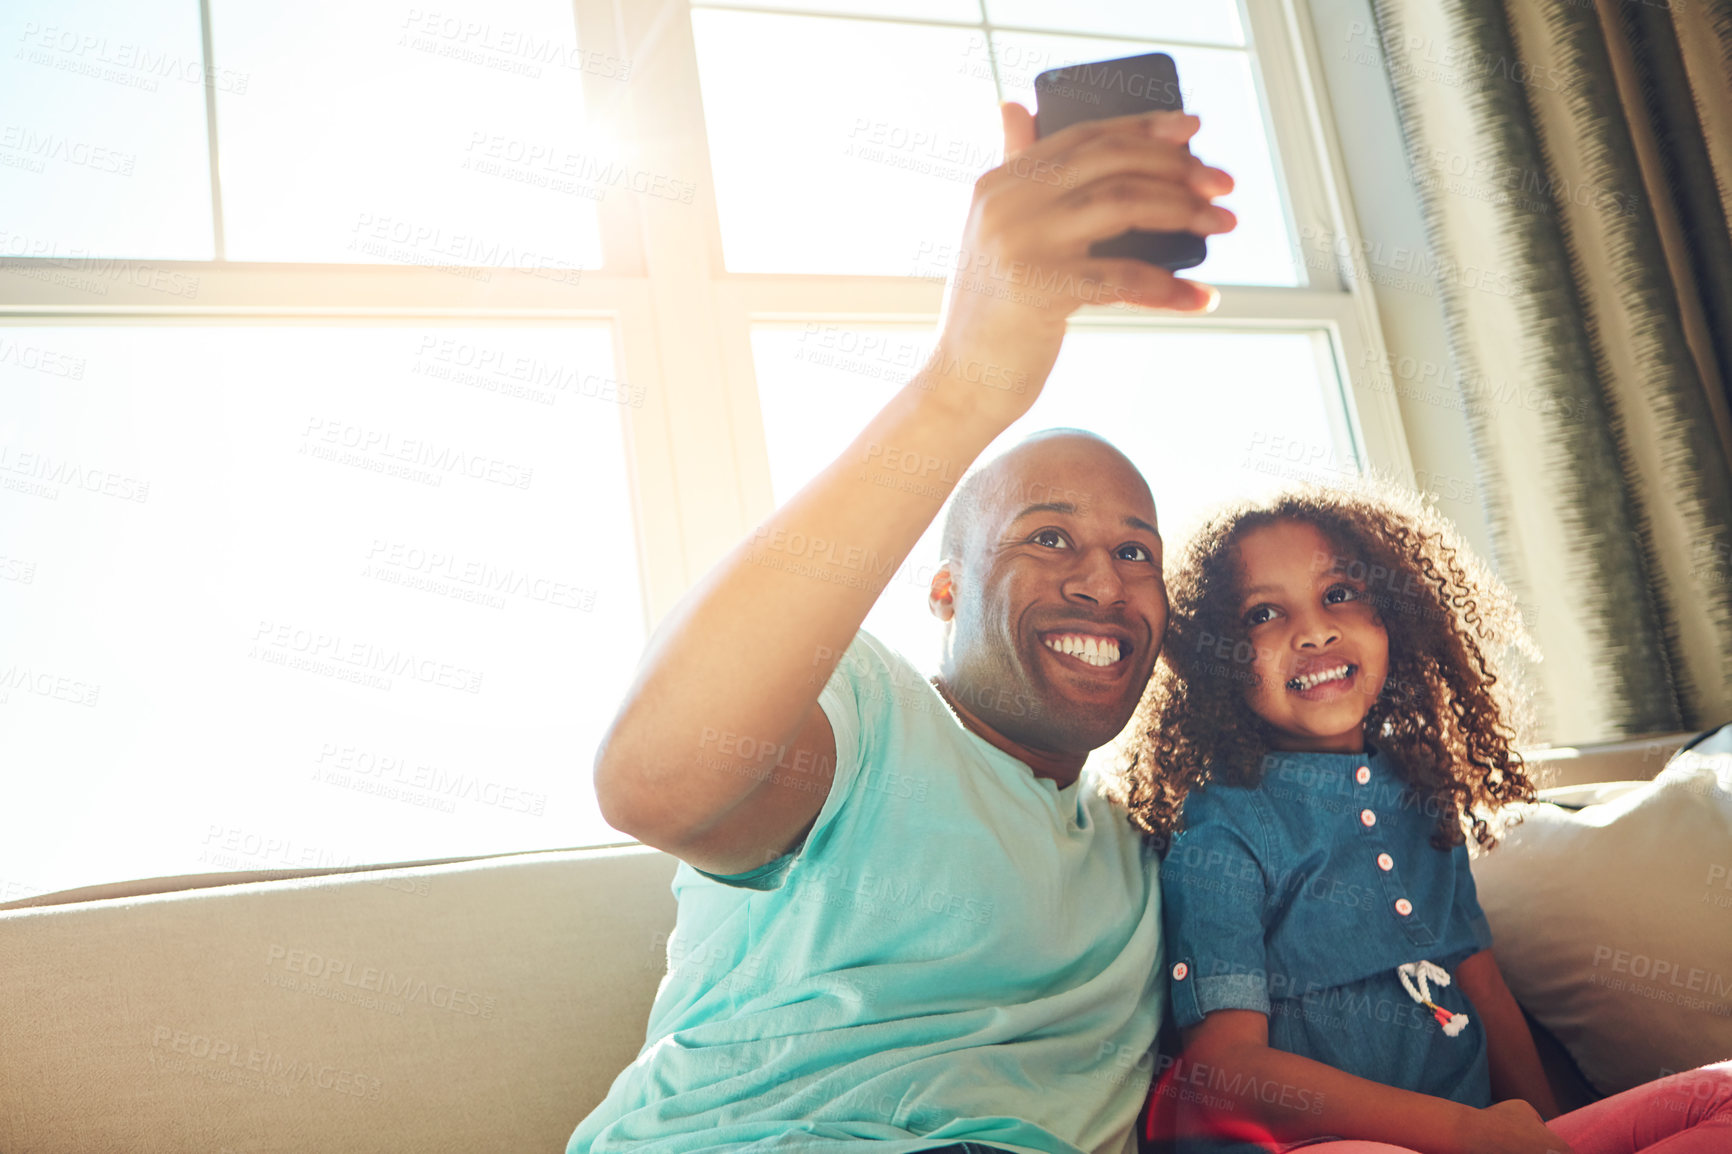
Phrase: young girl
[1329,719]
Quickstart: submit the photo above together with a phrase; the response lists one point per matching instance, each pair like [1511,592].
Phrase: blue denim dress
[1302,898]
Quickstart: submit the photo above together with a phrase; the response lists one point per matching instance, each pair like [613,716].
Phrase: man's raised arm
[728,686]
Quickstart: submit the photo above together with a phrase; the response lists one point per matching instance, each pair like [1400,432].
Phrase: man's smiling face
[1056,604]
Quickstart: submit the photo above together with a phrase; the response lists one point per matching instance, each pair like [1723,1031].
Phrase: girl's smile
[1322,678]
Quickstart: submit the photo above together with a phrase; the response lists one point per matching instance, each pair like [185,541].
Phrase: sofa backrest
[1633,759]
[478,1006]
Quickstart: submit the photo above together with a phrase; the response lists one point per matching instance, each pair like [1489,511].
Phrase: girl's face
[1321,652]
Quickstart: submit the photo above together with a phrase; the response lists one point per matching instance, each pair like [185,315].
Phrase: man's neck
[1059,768]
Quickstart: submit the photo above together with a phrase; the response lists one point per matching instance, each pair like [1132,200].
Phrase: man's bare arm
[737,667]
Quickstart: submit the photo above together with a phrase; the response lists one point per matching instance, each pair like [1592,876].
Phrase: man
[906,922]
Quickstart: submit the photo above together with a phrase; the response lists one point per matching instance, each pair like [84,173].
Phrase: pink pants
[1688,1113]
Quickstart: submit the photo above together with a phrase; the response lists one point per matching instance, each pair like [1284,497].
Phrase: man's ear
[940,595]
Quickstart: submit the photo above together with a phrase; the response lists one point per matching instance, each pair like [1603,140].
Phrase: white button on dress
[1367,818]
[1385,862]
[1362,774]
[1403,906]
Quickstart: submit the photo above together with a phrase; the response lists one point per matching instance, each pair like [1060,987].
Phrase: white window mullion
[1318,196]
[220,246]
[661,539]
[682,260]
[752,462]
[607,99]
[99,287]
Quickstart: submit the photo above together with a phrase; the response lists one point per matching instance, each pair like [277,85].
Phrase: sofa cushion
[477,1006]
[1613,923]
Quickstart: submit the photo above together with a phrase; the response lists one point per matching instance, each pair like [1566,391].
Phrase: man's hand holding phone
[1024,266]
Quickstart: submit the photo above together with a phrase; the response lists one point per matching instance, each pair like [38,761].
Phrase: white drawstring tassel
[1424,973]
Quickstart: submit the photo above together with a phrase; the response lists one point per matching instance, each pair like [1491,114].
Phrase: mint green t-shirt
[960,951]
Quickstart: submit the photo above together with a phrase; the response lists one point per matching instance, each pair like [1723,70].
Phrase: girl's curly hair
[1445,714]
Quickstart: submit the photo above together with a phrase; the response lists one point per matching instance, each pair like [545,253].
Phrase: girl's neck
[1353,741]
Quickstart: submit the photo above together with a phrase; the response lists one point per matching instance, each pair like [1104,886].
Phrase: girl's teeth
[1312,680]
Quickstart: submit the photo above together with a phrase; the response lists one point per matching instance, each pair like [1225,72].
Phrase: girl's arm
[1515,1064]
[1227,1056]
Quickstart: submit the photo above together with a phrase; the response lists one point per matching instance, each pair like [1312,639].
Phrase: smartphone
[1107,88]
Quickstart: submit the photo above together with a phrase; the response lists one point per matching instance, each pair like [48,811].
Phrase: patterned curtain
[1574,161]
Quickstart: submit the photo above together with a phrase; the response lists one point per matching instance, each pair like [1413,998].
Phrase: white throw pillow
[1613,924]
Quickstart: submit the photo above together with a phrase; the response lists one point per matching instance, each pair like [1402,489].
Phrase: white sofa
[480,1005]
[475,1006]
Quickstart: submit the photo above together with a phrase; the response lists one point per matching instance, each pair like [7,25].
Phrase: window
[1260,424]
[295,594]
[375,378]
[895,116]
[896,119]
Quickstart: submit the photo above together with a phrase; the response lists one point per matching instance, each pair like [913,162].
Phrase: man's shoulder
[879,680]
[869,658]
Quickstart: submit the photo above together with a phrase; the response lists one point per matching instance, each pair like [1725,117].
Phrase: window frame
[682,323]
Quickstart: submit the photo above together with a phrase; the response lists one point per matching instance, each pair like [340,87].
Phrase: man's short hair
[960,518]
[967,500]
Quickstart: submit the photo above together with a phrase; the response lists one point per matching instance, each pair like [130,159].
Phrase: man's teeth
[1311,680]
[1094,650]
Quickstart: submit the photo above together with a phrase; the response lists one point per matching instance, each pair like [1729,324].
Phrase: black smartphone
[1107,88]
